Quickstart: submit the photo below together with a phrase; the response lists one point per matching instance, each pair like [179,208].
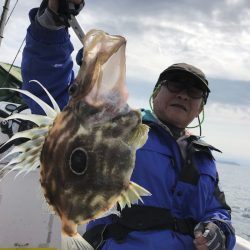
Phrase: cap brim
[201,82]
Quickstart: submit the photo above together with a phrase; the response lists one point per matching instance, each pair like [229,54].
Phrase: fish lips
[180,106]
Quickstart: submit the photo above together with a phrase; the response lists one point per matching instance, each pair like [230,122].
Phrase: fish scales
[87,151]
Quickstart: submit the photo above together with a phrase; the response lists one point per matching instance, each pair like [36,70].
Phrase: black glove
[215,237]
[79,56]
[65,10]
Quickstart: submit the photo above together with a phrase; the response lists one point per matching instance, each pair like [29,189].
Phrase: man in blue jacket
[187,210]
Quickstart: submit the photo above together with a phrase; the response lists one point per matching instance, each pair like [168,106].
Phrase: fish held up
[86,152]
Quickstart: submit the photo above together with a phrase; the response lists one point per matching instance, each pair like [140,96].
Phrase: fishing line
[11,12]
[12,64]
[202,119]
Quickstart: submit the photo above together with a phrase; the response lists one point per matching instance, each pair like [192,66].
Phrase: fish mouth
[180,106]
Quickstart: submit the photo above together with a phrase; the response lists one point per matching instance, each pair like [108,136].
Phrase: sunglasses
[192,90]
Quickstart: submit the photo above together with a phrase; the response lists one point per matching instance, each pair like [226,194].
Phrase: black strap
[138,218]
[220,196]
[189,171]
[150,218]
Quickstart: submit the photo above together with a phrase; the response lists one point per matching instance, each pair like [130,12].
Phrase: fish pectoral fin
[76,242]
[140,136]
[132,195]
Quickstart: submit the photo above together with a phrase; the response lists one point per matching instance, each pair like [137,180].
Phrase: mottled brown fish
[86,152]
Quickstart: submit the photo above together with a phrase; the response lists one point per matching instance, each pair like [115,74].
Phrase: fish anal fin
[132,194]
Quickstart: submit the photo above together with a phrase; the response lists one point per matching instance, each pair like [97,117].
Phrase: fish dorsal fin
[54,103]
[39,120]
[50,112]
[132,194]
[27,154]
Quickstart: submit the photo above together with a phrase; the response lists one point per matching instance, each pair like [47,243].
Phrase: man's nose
[183,94]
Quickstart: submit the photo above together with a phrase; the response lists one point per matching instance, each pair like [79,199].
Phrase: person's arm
[47,58]
[215,228]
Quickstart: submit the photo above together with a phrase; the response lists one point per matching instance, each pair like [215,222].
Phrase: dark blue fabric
[46,58]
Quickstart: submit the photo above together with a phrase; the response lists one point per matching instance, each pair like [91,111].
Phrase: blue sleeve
[47,59]
[218,212]
[214,204]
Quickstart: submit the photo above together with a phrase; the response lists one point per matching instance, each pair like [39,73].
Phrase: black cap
[186,70]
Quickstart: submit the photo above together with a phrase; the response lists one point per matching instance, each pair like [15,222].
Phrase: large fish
[87,151]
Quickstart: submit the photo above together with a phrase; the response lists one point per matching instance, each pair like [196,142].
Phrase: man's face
[177,108]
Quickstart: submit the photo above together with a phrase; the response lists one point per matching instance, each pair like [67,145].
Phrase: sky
[213,35]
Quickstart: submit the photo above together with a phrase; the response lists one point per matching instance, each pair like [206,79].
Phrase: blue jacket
[46,58]
[157,168]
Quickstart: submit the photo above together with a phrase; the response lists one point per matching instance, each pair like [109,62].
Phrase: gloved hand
[54,14]
[54,4]
[208,236]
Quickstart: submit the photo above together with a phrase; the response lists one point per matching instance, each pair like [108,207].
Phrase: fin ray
[54,103]
[37,119]
[29,134]
[132,195]
[139,137]
[46,108]
[24,147]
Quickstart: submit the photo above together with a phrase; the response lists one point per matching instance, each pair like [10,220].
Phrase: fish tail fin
[76,242]
[132,195]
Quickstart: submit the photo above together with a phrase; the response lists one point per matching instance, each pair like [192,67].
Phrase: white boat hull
[25,220]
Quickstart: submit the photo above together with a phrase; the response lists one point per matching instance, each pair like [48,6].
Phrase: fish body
[86,152]
[86,169]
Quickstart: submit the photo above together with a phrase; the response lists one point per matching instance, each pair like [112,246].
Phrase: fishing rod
[3,18]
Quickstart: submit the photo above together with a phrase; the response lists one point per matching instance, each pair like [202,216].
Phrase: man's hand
[54,4]
[208,236]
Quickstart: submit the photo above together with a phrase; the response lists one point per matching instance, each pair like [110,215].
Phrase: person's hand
[53,4]
[208,236]
[54,14]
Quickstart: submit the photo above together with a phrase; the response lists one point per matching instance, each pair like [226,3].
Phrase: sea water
[234,181]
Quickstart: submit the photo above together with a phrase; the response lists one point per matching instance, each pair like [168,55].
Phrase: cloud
[212,35]
[227,127]
[231,92]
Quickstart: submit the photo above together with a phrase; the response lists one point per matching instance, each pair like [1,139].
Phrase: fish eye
[78,161]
